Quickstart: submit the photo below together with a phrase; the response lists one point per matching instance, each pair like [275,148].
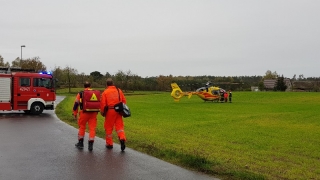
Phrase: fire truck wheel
[36,108]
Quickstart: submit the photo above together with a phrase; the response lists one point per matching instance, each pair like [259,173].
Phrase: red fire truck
[25,90]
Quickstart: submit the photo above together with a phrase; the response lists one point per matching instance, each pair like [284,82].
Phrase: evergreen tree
[280,84]
[261,86]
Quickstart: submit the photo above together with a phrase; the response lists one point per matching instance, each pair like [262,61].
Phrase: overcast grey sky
[163,37]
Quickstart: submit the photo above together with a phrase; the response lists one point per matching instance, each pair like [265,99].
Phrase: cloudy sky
[163,37]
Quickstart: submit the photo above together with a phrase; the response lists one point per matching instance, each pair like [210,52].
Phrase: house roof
[271,83]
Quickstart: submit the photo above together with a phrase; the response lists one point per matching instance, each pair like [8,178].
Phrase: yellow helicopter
[206,93]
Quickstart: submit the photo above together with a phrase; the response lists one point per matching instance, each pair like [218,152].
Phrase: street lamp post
[21,54]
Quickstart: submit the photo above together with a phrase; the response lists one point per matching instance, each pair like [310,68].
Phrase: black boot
[79,145]
[90,147]
[109,146]
[123,145]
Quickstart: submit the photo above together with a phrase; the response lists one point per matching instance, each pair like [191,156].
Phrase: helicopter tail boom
[177,93]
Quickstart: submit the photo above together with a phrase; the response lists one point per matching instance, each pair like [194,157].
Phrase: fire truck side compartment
[5,93]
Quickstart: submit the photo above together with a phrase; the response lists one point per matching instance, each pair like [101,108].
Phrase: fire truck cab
[26,90]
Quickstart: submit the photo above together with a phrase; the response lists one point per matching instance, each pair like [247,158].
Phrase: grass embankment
[261,135]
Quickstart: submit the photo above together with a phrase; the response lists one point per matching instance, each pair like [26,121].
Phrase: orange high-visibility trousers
[91,119]
[113,120]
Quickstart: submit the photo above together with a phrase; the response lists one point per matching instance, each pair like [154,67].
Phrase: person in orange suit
[113,119]
[85,118]
[225,97]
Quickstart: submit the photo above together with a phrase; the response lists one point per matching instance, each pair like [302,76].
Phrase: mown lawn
[260,135]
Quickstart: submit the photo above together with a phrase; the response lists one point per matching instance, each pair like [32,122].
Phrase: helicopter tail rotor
[177,93]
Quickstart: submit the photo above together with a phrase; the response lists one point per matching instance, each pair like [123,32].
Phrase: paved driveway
[42,148]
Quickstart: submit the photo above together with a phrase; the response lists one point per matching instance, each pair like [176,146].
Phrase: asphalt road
[42,148]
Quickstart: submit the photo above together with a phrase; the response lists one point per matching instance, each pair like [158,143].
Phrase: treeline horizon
[128,81]
[69,77]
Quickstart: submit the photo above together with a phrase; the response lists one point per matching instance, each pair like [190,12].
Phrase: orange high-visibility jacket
[110,97]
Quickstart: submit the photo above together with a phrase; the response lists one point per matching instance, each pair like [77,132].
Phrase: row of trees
[30,63]
[69,77]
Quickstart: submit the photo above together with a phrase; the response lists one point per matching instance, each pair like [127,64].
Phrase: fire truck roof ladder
[14,69]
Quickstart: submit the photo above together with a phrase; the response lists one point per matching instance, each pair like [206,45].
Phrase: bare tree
[70,77]
[1,61]
[33,63]
[120,78]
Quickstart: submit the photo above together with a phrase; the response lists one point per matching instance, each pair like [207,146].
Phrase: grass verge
[261,135]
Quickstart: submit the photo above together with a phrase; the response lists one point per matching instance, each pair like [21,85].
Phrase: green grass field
[260,135]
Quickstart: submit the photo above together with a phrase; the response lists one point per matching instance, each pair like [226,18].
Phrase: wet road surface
[42,148]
